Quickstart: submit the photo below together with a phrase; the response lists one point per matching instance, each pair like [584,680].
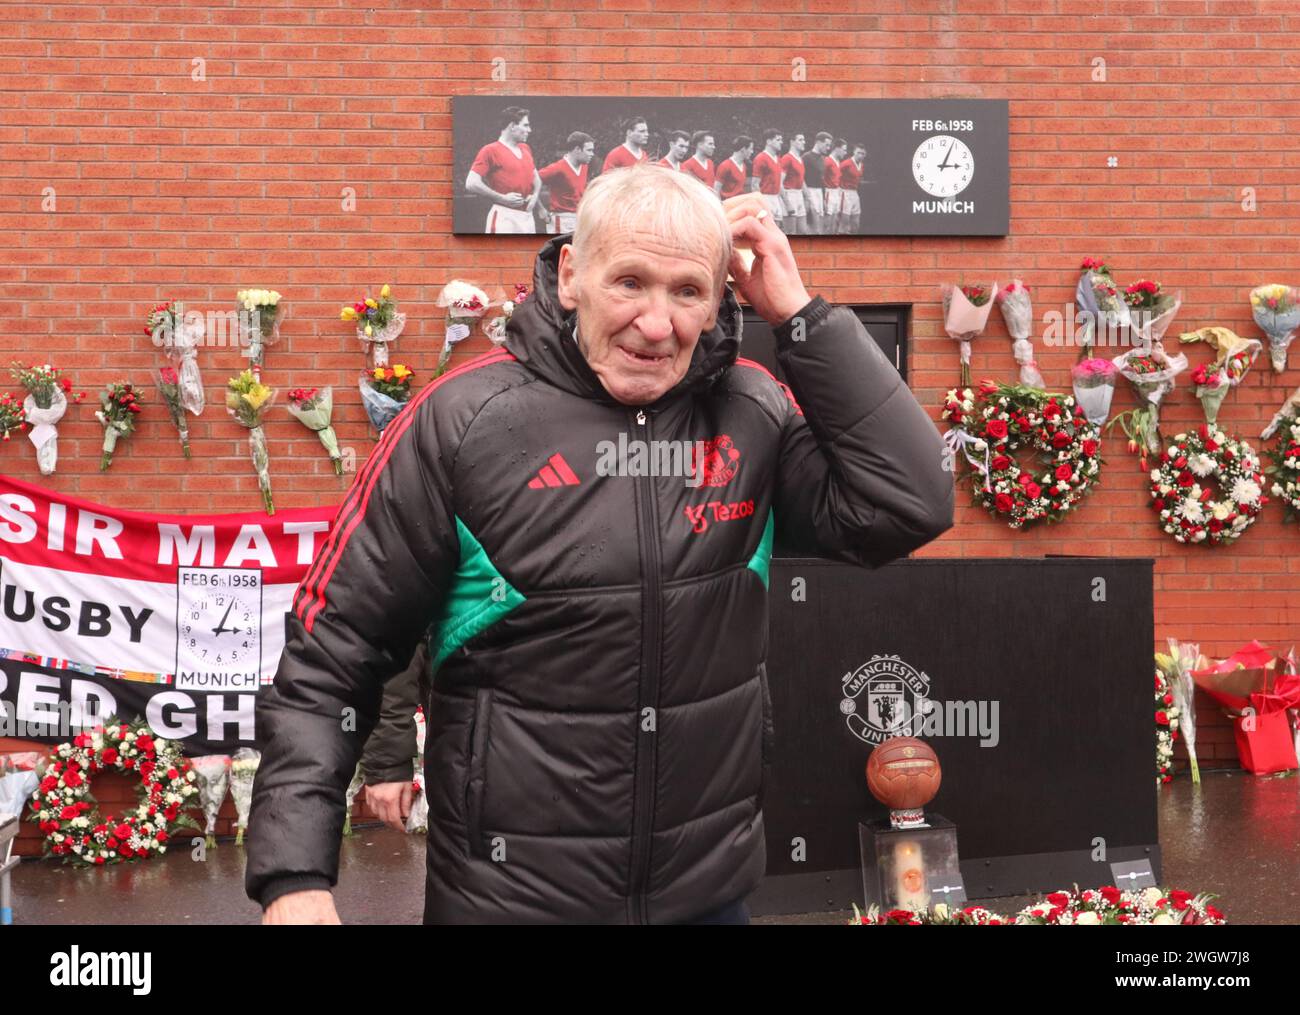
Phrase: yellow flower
[348,314]
[400,372]
[371,303]
[385,291]
[257,395]
[379,373]
[369,330]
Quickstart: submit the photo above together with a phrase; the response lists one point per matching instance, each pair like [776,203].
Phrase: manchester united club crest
[882,699]
[721,460]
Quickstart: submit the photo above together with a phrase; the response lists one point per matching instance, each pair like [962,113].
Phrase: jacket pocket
[769,734]
[476,772]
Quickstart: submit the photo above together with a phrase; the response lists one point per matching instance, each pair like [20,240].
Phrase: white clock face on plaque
[943,165]
[218,628]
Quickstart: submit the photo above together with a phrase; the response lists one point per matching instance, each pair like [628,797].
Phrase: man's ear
[567,282]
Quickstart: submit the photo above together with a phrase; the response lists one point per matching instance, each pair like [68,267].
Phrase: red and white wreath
[991,424]
[1286,468]
[1182,493]
[65,811]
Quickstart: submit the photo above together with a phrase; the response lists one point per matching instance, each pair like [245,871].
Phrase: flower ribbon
[958,439]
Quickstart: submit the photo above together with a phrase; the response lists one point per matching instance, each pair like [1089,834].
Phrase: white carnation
[1245,491]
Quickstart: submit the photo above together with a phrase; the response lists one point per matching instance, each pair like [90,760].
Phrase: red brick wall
[166,186]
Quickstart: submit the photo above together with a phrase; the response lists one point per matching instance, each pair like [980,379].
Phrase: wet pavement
[1236,835]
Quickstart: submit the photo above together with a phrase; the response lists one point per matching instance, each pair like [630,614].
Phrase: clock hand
[944,163]
[221,626]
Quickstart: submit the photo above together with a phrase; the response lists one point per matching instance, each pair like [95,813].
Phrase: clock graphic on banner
[218,628]
[943,165]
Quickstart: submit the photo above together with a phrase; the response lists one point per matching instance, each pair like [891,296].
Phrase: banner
[177,619]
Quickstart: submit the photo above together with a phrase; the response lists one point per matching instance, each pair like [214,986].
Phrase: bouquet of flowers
[465,305]
[495,328]
[247,399]
[1276,309]
[117,412]
[1111,906]
[18,780]
[378,323]
[939,915]
[48,393]
[260,313]
[243,770]
[965,313]
[12,415]
[1215,379]
[1259,689]
[1099,302]
[1152,373]
[1183,485]
[180,340]
[1286,455]
[418,820]
[213,774]
[1094,387]
[312,408]
[384,391]
[1013,301]
[1176,669]
[169,386]
[1166,727]
[1151,310]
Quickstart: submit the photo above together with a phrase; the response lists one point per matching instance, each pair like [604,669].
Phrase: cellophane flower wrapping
[261,311]
[964,321]
[1149,324]
[465,304]
[19,779]
[168,381]
[315,416]
[418,820]
[379,407]
[1276,309]
[1101,306]
[247,400]
[1152,386]
[182,349]
[1018,313]
[213,774]
[44,432]
[1183,660]
[354,787]
[1093,381]
[379,342]
[243,770]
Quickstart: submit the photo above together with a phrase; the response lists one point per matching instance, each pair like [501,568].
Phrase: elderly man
[599,724]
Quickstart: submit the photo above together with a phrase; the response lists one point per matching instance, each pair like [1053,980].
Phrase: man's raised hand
[771,284]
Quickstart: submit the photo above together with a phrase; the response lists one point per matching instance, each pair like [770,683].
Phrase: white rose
[941,911]
[1162,919]
[1087,919]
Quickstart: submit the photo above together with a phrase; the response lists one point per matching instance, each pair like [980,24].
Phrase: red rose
[99,859]
[1001,462]
[126,851]
[108,756]
[1179,898]
[1005,503]
[1211,911]
[1211,446]
[1064,471]
[122,831]
[1025,479]
[1158,504]
[1204,431]
[1169,699]
[1186,479]
[1162,718]
[161,836]
[72,778]
[170,813]
[81,740]
[1033,491]
[1059,900]
[48,783]
[68,813]
[1060,439]
[172,773]
[997,428]
[1111,894]
[1090,447]
[1180,462]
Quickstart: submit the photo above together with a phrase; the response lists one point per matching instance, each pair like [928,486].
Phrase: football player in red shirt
[731,178]
[566,179]
[850,177]
[504,173]
[632,150]
[832,181]
[679,143]
[796,221]
[700,165]
[767,171]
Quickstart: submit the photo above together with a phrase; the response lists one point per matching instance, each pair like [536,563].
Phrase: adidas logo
[555,472]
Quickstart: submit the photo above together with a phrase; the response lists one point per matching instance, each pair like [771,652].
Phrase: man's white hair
[674,206]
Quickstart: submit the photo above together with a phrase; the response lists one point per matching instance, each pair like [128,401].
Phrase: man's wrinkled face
[642,304]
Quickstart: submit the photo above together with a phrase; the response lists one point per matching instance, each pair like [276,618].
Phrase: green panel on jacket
[479,596]
[761,562]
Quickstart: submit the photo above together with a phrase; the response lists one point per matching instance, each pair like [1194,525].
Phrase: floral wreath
[64,809]
[1000,418]
[1286,468]
[1092,906]
[1188,511]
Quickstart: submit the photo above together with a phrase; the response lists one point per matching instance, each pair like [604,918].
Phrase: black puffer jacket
[599,721]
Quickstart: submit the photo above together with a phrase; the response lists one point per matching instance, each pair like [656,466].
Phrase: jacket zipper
[648,696]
